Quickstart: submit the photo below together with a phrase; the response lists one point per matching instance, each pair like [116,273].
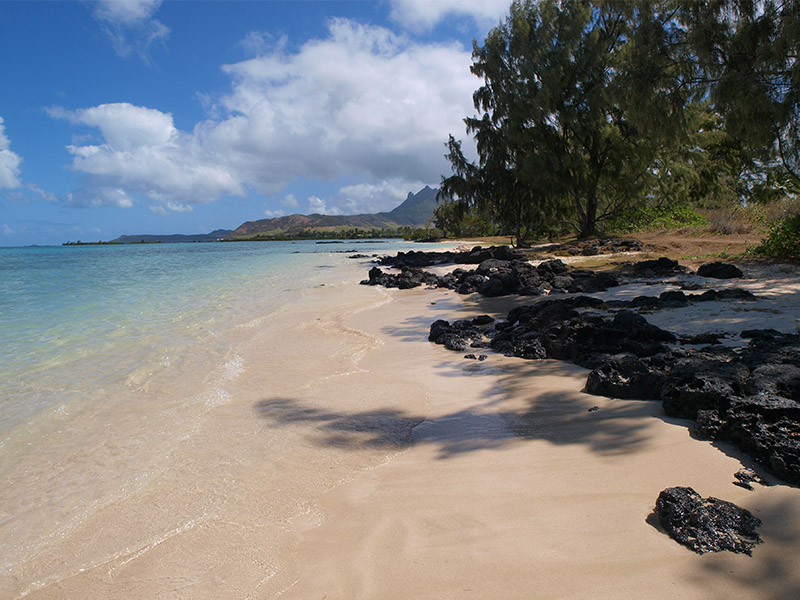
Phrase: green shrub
[782,241]
[650,218]
[421,233]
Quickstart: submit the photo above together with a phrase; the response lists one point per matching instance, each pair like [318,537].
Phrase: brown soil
[694,249]
[689,247]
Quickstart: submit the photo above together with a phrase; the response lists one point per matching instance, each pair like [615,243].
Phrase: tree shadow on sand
[561,417]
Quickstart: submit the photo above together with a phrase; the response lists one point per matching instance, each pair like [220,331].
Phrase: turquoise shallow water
[75,320]
[130,384]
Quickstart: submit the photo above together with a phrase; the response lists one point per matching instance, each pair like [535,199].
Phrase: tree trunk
[588,218]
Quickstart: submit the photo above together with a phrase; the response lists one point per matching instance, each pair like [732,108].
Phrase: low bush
[650,218]
[729,221]
[782,240]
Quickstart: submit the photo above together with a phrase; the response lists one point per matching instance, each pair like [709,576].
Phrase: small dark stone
[707,296]
[554,267]
[674,299]
[735,294]
[703,338]
[755,333]
[706,524]
[629,378]
[594,409]
[748,476]
[658,268]
[702,383]
[438,328]
[645,302]
[720,270]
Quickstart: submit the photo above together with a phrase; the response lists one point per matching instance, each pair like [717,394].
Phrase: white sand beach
[508,486]
[512,489]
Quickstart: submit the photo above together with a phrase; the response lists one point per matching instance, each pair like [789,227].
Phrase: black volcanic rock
[407,278]
[627,378]
[706,524]
[500,271]
[702,383]
[462,334]
[660,267]
[720,270]
[555,329]
[478,254]
[748,397]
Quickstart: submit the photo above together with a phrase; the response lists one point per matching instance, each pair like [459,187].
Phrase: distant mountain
[214,236]
[415,211]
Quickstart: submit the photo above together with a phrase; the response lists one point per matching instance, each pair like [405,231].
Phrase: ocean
[130,381]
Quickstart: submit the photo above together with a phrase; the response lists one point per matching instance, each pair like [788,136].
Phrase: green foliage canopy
[746,53]
[578,97]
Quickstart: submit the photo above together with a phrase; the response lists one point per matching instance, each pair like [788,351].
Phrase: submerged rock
[706,524]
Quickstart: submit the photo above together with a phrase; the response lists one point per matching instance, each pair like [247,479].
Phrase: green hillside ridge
[415,211]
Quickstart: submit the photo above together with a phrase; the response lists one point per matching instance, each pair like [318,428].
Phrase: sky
[150,116]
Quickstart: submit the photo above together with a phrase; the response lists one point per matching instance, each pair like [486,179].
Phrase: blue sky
[143,116]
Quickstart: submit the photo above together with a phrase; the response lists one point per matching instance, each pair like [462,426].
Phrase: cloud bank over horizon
[363,104]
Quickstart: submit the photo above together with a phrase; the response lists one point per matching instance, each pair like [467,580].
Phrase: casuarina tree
[578,98]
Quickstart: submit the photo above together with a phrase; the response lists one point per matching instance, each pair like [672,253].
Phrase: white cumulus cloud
[130,26]
[362,104]
[142,152]
[376,197]
[317,205]
[425,14]
[289,200]
[362,101]
[9,162]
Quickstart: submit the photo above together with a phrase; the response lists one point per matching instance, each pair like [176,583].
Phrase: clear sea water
[75,320]
[128,381]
